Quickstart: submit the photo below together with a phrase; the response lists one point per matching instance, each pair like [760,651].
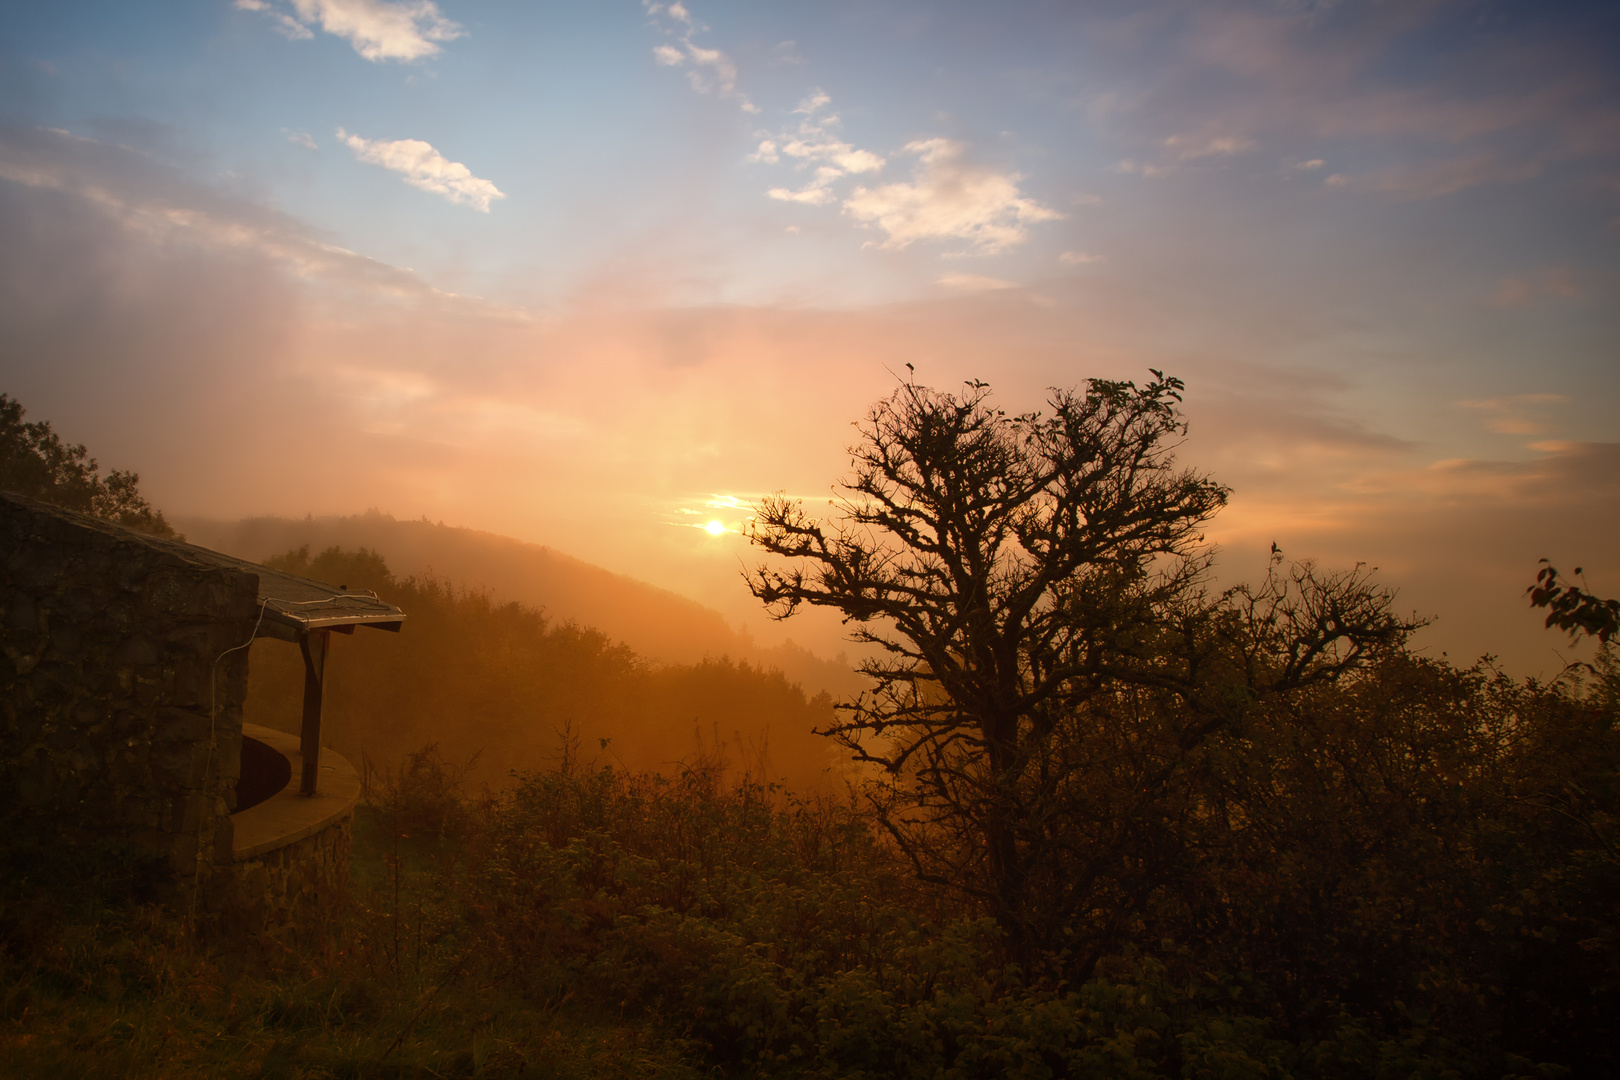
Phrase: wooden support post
[313,645]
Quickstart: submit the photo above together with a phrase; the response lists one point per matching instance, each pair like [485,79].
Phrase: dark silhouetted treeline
[500,681]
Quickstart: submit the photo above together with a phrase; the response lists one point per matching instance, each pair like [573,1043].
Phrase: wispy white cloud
[815,142]
[1078,258]
[1430,180]
[153,203]
[710,71]
[302,138]
[950,198]
[378,29]
[424,167]
[288,26]
[1179,150]
[976,283]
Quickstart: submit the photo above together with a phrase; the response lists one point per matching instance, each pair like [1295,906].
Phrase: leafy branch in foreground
[1571,608]
[34,461]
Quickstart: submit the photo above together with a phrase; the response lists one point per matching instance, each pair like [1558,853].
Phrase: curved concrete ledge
[288,817]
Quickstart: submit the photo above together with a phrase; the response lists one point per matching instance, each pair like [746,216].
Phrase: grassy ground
[113,993]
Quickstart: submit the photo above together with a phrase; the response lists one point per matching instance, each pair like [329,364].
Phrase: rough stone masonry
[120,706]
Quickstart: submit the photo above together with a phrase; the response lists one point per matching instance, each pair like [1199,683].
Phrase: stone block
[120,617]
[173,758]
[148,688]
[35,788]
[22,661]
[64,643]
[181,725]
[21,614]
[137,650]
[193,683]
[35,568]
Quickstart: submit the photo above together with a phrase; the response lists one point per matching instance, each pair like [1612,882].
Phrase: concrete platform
[288,817]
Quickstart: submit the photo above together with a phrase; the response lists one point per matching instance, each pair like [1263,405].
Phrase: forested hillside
[658,624]
[496,686]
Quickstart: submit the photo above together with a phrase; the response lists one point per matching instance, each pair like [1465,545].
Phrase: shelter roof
[294,605]
[290,606]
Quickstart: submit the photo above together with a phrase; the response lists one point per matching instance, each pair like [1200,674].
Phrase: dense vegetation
[1412,875]
[493,685]
[1250,834]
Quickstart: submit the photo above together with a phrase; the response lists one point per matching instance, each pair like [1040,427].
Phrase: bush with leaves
[34,461]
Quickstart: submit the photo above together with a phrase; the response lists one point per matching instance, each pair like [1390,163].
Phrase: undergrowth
[589,922]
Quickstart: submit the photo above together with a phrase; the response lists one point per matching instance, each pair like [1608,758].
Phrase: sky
[598,275]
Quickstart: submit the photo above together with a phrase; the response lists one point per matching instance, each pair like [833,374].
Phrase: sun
[714,528]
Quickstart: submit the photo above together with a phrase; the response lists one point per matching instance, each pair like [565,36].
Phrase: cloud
[1131,167]
[378,29]
[815,141]
[163,206]
[1528,289]
[424,167]
[288,26]
[1433,179]
[1191,148]
[815,193]
[1178,150]
[1300,79]
[710,71]
[1078,258]
[1565,471]
[1516,414]
[786,54]
[976,283]
[160,314]
[304,139]
[950,198]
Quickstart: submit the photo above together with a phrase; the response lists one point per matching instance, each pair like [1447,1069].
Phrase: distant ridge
[659,624]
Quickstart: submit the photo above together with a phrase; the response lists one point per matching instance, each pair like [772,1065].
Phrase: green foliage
[34,461]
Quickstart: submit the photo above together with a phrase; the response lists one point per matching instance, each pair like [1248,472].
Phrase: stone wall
[277,893]
[119,732]
[291,870]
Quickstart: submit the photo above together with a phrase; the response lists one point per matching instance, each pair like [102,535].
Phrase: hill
[657,624]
